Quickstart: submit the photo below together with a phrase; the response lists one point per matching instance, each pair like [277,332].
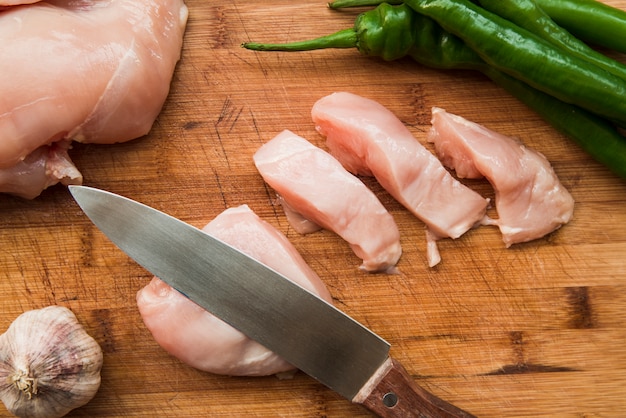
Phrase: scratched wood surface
[534,330]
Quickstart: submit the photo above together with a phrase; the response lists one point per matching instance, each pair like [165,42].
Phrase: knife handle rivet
[390,399]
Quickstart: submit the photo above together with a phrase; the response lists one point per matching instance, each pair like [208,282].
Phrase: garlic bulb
[49,365]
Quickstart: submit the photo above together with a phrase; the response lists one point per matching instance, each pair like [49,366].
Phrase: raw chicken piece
[530,200]
[42,168]
[87,70]
[316,186]
[205,342]
[369,139]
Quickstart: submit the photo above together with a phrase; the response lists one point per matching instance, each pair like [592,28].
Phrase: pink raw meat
[530,200]
[316,186]
[42,168]
[369,139]
[86,70]
[205,342]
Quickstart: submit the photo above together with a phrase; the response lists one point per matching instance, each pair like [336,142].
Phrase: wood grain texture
[534,330]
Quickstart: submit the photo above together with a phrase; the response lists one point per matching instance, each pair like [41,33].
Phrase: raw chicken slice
[530,200]
[316,186]
[87,70]
[369,139]
[205,342]
[42,168]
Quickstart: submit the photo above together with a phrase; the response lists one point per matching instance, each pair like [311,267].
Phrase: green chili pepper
[521,54]
[390,32]
[528,15]
[429,44]
[590,20]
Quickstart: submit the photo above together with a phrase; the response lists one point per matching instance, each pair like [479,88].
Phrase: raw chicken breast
[530,200]
[86,70]
[316,186]
[42,168]
[369,139]
[205,342]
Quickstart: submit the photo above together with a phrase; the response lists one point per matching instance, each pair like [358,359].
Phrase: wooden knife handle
[391,392]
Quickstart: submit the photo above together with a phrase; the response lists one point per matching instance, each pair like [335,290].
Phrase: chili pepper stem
[346,38]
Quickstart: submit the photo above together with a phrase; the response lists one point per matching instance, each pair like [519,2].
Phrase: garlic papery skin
[49,365]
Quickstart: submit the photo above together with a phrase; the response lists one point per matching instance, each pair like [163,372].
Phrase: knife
[305,330]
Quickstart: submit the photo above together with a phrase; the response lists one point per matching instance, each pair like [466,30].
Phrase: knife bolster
[373,381]
[391,392]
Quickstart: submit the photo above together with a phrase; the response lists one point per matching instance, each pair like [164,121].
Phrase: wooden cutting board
[534,330]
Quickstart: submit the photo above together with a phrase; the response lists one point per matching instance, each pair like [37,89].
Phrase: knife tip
[73,188]
[78,191]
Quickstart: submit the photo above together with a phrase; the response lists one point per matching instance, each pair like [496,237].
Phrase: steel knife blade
[305,330]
